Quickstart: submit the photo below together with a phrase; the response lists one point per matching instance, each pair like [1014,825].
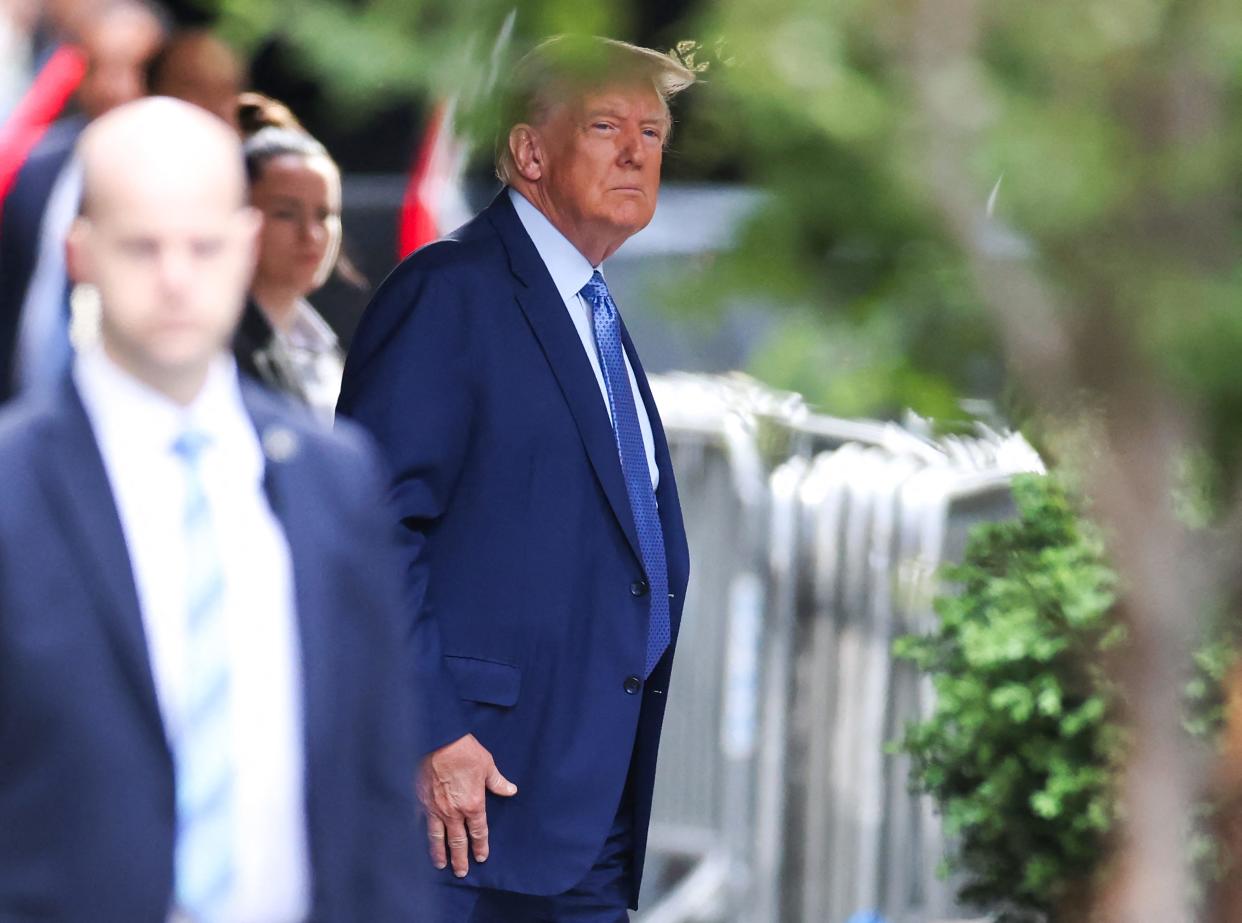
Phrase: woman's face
[300,200]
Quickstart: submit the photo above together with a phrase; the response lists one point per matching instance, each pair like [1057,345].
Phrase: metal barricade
[703,816]
[815,542]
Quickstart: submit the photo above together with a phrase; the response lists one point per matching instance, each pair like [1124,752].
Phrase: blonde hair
[565,67]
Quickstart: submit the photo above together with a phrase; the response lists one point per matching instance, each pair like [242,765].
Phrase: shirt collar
[570,270]
[308,330]
[129,412]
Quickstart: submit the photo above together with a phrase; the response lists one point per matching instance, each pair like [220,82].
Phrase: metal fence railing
[815,542]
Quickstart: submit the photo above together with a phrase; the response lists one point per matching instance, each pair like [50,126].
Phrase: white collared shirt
[314,355]
[570,271]
[135,428]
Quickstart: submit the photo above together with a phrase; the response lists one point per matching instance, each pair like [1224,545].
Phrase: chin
[186,348]
[631,220]
[633,226]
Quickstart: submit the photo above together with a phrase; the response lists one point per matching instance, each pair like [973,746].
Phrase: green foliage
[1114,124]
[1020,749]
[369,54]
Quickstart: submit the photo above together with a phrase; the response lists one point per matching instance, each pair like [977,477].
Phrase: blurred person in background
[296,186]
[494,370]
[18,19]
[204,715]
[118,39]
[39,61]
[45,60]
[197,66]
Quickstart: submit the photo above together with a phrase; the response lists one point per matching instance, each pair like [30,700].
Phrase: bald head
[160,148]
[165,236]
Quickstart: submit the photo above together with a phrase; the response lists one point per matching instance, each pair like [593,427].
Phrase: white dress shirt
[314,353]
[135,428]
[570,271]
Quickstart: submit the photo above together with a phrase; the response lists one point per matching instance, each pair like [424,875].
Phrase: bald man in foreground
[202,715]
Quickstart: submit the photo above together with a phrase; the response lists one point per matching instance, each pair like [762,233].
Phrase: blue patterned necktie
[204,851]
[629,434]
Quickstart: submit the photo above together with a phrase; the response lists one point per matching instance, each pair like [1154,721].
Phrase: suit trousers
[601,896]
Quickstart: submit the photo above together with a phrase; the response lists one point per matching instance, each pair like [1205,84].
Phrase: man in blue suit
[547,560]
[204,713]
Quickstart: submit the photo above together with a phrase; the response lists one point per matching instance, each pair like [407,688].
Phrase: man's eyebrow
[613,112]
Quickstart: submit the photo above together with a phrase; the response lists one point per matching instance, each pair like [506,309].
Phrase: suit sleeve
[408,382]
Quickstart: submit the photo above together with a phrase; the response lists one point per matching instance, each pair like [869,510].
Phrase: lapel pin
[279,443]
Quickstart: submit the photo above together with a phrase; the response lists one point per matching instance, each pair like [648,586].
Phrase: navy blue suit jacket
[523,564]
[21,224]
[87,812]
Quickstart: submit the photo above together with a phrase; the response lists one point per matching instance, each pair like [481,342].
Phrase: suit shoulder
[457,258]
[445,286]
[38,173]
[286,428]
[22,423]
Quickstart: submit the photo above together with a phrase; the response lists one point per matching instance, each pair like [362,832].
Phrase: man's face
[171,266]
[201,70]
[118,45]
[601,169]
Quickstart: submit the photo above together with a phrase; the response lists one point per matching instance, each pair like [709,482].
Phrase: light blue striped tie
[628,431]
[204,856]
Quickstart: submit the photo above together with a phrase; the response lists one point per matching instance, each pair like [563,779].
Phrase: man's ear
[527,151]
[77,251]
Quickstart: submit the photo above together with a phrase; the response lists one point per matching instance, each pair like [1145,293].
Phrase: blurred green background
[1095,145]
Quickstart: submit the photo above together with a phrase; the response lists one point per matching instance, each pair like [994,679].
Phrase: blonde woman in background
[296,186]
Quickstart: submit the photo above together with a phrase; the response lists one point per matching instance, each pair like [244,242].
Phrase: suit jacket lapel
[546,314]
[77,487]
[288,498]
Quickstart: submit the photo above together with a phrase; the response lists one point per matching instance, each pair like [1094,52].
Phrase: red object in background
[38,109]
[432,199]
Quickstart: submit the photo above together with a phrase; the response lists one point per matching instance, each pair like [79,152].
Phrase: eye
[204,249]
[139,249]
[654,133]
[603,126]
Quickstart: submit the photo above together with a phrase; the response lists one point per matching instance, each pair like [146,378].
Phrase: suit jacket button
[639,588]
[632,685]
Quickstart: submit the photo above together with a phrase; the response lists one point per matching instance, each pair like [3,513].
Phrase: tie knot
[596,290]
[189,445]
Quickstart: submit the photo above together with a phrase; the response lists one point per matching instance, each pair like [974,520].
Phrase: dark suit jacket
[524,568]
[251,344]
[87,810]
[20,229]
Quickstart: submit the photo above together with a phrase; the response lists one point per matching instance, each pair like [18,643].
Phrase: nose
[311,229]
[175,270]
[633,153]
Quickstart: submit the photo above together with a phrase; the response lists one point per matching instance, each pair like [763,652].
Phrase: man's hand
[453,783]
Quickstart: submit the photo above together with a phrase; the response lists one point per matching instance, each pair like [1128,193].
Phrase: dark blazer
[87,809]
[252,344]
[21,224]
[523,563]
